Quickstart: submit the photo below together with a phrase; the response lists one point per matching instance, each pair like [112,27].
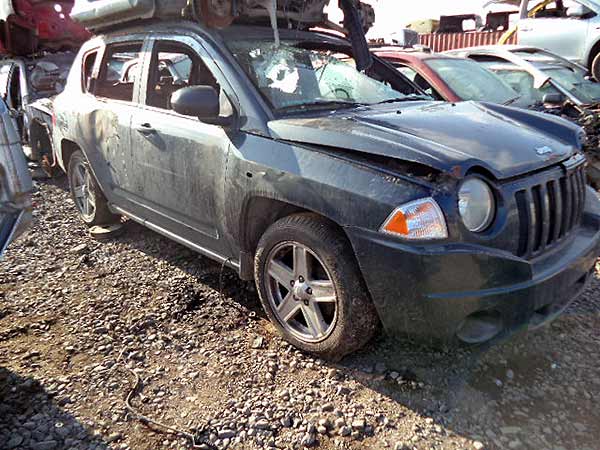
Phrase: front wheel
[595,67]
[311,288]
[89,199]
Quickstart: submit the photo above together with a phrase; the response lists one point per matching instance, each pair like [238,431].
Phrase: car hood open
[452,138]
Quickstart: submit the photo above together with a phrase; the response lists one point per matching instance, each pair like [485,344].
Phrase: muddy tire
[311,287]
[89,199]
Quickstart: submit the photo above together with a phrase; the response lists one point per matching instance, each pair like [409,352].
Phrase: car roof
[234,32]
[412,55]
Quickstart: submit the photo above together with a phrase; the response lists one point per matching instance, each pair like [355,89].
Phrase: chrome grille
[549,212]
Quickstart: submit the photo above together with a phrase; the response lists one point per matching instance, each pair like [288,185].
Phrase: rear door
[180,161]
[553,30]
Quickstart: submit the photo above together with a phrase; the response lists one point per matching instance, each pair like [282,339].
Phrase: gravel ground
[80,320]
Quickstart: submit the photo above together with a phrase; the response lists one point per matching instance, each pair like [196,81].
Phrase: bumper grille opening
[549,212]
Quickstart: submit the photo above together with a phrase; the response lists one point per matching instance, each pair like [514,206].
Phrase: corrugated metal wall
[450,41]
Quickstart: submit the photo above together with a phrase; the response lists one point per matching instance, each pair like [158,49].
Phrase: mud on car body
[351,199]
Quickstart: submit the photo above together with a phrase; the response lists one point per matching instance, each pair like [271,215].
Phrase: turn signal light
[419,220]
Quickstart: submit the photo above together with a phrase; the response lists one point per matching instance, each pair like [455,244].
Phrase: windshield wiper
[512,100]
[408,98]
[334,104]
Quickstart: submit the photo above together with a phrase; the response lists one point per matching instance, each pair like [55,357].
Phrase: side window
[417,78]
[111,81]
[408,72]
[175,66]
[15,88]
[4,77]
[89,62]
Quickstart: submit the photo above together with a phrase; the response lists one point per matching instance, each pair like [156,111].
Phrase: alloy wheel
[83,191]
[301,292]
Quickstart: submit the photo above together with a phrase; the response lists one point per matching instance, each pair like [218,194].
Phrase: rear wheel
[88,198]
[311,288]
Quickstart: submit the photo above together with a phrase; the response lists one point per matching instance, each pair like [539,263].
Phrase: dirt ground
[79,318]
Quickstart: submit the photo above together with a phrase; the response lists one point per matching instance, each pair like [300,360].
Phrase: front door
[553,29]
[180,161]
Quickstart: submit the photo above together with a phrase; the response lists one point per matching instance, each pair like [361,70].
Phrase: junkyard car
[348,197]
[28,85]
[535,73]
[570,28]
[15,183]
[450,78]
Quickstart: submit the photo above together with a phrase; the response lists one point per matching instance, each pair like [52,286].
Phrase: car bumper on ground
[450,293]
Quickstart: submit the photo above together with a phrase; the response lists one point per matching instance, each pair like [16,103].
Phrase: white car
[15,183]
[569,28]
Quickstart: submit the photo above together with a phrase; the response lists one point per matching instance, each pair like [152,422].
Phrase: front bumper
[471,293]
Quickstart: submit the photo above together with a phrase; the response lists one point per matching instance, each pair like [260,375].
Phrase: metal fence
[440,42]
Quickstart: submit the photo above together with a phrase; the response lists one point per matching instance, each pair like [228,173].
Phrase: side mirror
[553,99]
[197,101]
[578,10]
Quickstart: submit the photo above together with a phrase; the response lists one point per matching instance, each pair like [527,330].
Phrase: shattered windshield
[291,78]
[575,82]
[47,77]
[470,81]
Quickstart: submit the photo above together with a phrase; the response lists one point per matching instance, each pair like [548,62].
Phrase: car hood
[451,138]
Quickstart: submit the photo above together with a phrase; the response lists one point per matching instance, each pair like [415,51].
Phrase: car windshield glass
[48,76]
[470,81]
[291,78]
[574,80]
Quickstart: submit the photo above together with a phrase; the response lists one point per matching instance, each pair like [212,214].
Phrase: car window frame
[23,87]
[121,40]
[194,42]
[6,63]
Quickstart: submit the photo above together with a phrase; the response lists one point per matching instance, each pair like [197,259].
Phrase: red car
[449,78]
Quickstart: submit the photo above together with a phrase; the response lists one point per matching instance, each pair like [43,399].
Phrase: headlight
[419,220]
[476,205]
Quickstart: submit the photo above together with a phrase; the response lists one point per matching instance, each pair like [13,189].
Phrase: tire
[327,311]
[89,199]
[595,67]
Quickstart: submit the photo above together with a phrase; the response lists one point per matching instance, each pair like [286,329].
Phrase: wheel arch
[258,214]
[67,148]
[594,51]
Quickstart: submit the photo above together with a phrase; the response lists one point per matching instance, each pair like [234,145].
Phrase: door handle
[145,128]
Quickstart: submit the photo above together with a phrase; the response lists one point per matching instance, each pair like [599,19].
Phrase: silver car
[570,28]
[537,75]
[15,183]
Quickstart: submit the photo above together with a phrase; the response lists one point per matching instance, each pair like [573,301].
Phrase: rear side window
[116,79]
[89,62]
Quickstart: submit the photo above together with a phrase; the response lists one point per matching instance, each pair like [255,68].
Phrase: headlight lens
[476,205]
[419,220]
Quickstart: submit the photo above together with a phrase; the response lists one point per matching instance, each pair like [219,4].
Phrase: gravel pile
[81,321]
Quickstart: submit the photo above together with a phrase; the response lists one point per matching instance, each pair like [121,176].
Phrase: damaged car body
[15,183]
[28,86]
[537,74]
[348,196]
